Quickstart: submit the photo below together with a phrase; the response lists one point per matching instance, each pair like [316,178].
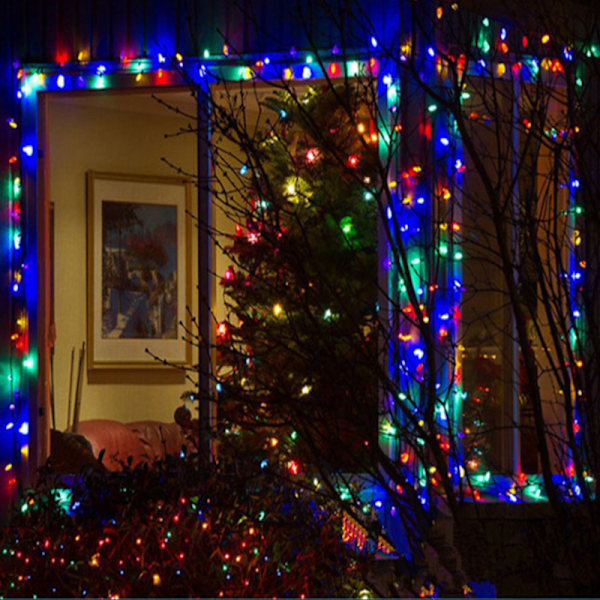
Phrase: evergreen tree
[297,353]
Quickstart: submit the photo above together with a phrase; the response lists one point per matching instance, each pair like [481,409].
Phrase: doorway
[126,133]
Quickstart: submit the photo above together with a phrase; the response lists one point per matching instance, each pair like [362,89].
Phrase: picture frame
[138,271]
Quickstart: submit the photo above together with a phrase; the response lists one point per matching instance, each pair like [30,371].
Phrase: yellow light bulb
[277,309]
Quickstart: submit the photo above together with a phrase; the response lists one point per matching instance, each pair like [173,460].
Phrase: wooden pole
[70,387]
[52,403]
[205,265]
[78,388]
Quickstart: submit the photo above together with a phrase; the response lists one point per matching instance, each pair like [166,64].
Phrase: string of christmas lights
[502,53]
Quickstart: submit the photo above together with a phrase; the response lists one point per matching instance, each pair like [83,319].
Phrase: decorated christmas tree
[297,353]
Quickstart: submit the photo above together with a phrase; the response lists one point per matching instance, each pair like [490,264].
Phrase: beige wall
[123,133]
[114,133]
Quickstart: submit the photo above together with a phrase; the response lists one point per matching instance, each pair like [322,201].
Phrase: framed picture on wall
[139,282]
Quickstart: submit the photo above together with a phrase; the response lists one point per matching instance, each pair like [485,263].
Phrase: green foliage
[298,348]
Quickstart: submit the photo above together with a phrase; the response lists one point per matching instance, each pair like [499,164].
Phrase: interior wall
[112,133]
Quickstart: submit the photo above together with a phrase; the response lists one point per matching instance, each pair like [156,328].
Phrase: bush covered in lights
[179,529]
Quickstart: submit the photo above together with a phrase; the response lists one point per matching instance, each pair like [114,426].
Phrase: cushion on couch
[143,441]
[117,441]
[159,439]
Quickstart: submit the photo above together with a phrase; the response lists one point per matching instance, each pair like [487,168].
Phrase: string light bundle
[177,530]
